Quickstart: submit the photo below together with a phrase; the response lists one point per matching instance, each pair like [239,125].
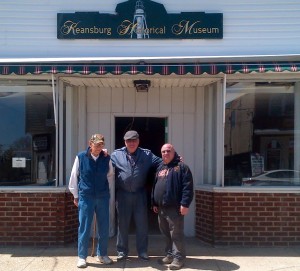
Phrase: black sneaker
[166,260]
[176,264]
[121,256]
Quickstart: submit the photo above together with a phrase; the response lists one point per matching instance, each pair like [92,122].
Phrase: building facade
[226,95]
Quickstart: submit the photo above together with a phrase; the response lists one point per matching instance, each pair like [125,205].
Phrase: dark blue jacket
[133,178]
[92,179]
[179,184]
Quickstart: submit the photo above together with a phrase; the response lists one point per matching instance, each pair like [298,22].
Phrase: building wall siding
[248,219]
[268,27]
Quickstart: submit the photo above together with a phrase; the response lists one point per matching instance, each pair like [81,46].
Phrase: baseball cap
[97,138]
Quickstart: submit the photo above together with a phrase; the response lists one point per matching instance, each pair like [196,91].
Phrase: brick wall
[39,219]
[248,219]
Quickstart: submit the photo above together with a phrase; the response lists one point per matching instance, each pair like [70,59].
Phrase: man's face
[96,148]
[167,153]
[132,144]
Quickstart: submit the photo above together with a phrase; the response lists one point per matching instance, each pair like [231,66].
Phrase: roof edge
[155,59]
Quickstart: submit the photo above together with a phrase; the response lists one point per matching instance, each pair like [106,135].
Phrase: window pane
[259,135]
[27,138]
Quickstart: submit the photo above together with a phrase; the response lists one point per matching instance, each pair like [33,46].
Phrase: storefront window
[260,125]
[27,136]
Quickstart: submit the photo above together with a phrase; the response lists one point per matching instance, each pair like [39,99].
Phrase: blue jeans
[132,204]
[87,207]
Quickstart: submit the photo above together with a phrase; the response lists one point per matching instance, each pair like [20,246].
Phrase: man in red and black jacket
[171,197]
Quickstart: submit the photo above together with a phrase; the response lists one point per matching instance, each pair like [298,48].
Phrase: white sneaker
[104,259]
[81,263]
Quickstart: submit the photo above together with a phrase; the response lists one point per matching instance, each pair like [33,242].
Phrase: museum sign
[140,20]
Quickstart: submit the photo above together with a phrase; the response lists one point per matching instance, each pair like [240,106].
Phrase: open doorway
[152,131]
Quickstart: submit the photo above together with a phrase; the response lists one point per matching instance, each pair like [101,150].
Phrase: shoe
[166,260]
[144,256]
[121,256]
[81,263]
[104,259]
[176,264]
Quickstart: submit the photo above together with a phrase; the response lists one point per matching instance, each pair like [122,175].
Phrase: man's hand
[105,152]
[184,210]
[76,202]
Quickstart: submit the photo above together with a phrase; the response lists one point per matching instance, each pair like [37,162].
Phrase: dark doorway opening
[152,136]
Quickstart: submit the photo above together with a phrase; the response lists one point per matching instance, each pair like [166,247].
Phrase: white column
[297,127]
[60,133]
[82,119]
[220,111]
[71,121]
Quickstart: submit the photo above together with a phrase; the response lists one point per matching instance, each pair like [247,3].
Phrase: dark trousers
[130,205]
[171,224]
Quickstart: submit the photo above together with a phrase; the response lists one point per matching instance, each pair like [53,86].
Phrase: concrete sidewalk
[199,257]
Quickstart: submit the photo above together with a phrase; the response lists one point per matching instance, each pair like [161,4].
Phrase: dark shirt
[160,187]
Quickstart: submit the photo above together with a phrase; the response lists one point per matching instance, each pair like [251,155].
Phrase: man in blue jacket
[132,165]
[89,185]
[172,195]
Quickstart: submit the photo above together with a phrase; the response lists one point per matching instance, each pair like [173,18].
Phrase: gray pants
[171,224]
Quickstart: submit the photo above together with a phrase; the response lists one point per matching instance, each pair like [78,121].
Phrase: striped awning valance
[147,69]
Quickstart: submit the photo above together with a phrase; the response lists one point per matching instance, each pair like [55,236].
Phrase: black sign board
[140,20]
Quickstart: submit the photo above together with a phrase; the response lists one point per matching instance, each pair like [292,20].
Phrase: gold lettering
[126,27]
[72,27]
[69,27]
[155,30]
[183,27]
[206,30]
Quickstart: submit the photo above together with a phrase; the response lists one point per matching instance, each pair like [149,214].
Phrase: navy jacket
[92,179]
[179,184]
[133,178]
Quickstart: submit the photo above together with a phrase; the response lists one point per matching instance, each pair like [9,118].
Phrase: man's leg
[176,222]
[124,210]
[165,230]
[141,222]
[102,216]
[86,213]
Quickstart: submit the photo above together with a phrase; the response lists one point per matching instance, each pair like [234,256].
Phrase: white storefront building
[217,100]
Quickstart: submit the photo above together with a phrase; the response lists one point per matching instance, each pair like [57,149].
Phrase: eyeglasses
[98,145]
[165,151]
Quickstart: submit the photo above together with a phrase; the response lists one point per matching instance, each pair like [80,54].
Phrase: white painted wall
[266,27]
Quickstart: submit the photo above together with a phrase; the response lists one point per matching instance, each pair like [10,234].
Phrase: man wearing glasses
[89,184]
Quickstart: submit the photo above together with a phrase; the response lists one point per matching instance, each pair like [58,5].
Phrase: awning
[147,69]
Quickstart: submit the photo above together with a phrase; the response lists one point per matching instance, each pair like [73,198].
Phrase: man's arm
[187,187]
[73,182]
[156,161]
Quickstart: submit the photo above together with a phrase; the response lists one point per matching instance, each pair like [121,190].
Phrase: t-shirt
[160,186]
